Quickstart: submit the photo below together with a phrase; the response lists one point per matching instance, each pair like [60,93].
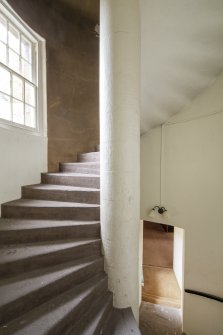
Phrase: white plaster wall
[22,158]
[192,191]
[150,152]
[178,255]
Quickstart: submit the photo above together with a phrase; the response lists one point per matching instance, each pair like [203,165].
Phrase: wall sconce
[160,210]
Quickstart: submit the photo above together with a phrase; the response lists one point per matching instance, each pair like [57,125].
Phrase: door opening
[162,287]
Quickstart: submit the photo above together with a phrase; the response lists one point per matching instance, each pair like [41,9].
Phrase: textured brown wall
[72,77]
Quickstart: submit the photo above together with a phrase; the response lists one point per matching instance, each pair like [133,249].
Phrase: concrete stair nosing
[16,259]
[14,231]
[85,168]
[46,210]
[61,193]
[71,179]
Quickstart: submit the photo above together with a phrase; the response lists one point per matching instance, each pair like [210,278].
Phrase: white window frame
[40,80]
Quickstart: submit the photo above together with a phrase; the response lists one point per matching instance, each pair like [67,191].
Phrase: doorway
[162,289]
[160,282]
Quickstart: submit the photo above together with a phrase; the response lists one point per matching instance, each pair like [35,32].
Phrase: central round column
[120,147]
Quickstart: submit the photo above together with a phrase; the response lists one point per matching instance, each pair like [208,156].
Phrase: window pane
[29,94]
[30,116]
[17,87]
[4,80]
[13,38]
[26,70]
[13,61]
[26,49]
[18,111]
[5,110]
[3,29]
[2,53]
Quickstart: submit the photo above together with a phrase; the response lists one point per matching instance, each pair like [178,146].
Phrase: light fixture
[159,209]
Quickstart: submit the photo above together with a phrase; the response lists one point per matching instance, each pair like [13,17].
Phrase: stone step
[24,292]
[27,231]
[50,210]
[121,321]
[16,259]
[61,193]
[89,157]
[56,315]
[92,322]
[71,179]
[85,168]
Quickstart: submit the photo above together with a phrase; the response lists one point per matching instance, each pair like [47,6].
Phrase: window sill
[20,128]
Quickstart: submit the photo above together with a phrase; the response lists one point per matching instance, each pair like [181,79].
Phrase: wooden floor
[160,284]
[161,287]
[157,246]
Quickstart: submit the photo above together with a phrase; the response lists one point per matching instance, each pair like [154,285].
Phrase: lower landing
[161,287]
[159,320]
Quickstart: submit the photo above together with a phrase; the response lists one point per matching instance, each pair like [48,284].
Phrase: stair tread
[46,318]
[72,174]
[89,153]
[21,285]
[72,179]
[47,203]
[82,163]
[81,167]
[16,252]
[16,224]
[122,322]
[92,326]
[61,188]
[89,156]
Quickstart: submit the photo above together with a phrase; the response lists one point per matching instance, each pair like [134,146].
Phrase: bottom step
[93,321]
[121,322]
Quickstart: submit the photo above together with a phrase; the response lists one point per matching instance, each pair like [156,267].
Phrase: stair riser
[79,169]
[89,157]
[31,263]
[52,213]
[33,299]
[50,234]
[58,195]
[65,326]
[90,182]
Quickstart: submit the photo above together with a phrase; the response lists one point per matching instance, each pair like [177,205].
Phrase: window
[21,85]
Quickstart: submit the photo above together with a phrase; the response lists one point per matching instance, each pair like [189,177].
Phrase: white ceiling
[182,53]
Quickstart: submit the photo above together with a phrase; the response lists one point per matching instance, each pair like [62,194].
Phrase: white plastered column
[120,147]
